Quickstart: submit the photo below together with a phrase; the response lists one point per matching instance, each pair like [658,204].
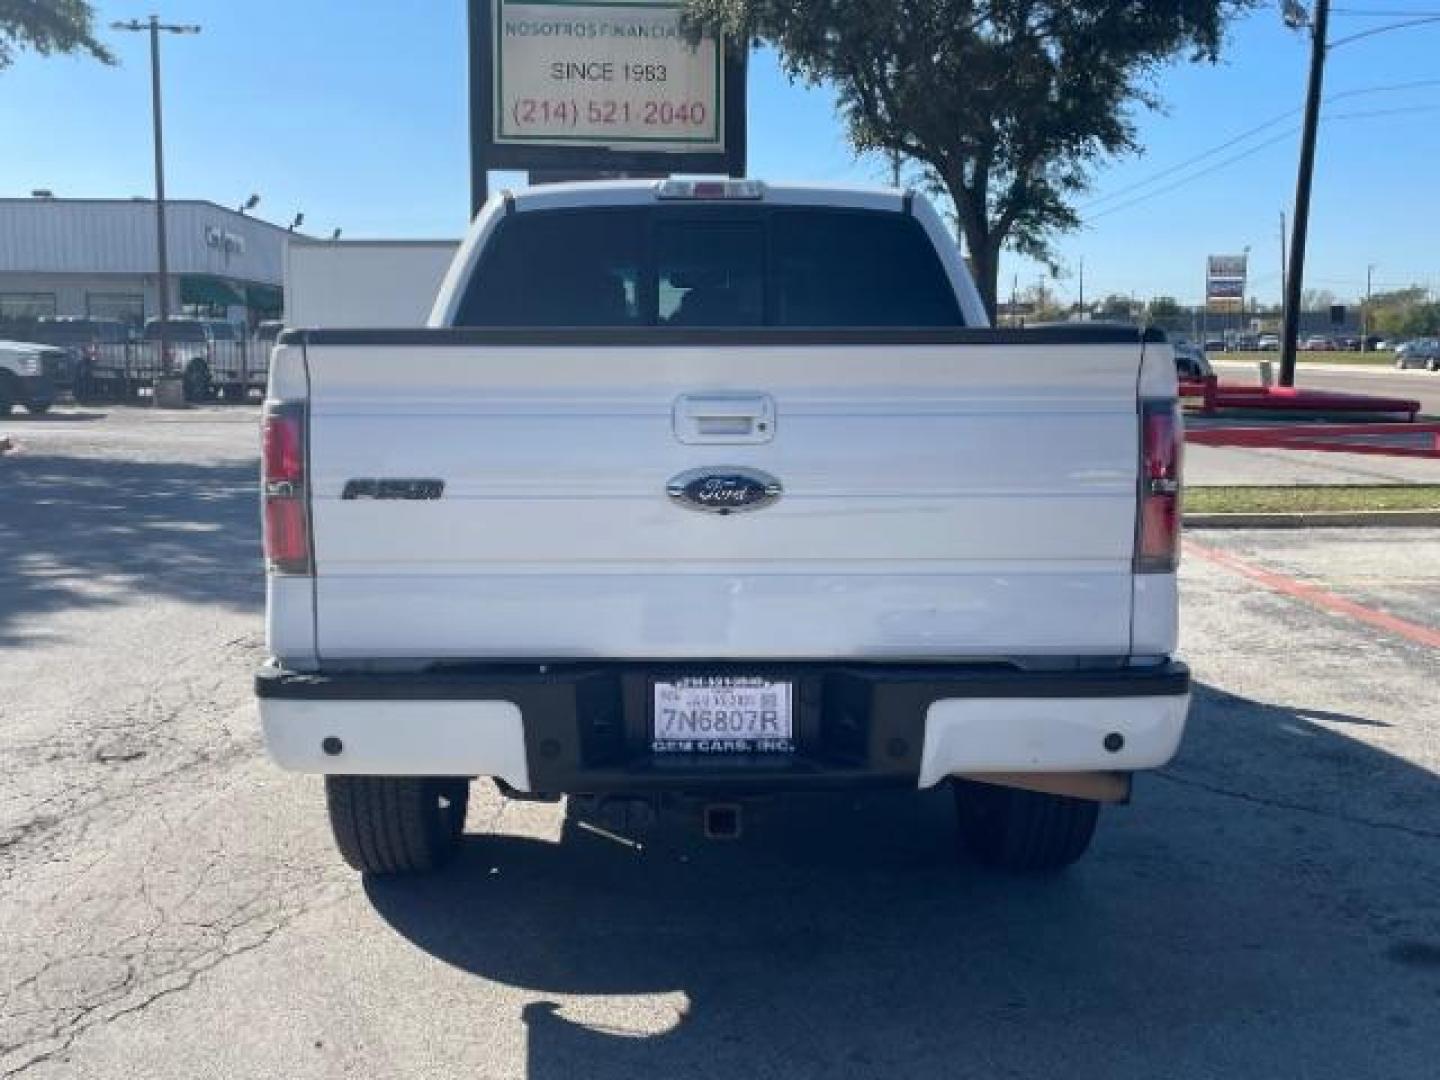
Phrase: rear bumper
[584,728]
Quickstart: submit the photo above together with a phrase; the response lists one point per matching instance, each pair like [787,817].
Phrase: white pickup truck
[694,491]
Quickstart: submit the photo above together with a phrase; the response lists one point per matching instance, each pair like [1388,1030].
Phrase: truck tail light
[282,484]
[1157,542]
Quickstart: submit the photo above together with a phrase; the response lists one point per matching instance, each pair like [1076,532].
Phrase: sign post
[1225,283]
[600,87]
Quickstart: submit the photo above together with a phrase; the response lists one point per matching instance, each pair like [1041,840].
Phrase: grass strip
[1311,498]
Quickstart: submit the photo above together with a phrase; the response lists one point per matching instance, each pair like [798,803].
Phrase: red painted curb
[1390,440]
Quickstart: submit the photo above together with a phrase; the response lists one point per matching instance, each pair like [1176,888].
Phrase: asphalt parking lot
[171,906]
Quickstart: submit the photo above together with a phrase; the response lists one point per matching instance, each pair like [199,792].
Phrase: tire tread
[395,824]
[1025,831]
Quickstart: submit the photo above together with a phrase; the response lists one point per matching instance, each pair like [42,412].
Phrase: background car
[1190,361]
[28,375]
[191,343]
[1268,343]
[1316,343]
[101,351]
[1421,353]
[233,367]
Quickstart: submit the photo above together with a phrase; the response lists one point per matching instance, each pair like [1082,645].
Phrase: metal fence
[212,371]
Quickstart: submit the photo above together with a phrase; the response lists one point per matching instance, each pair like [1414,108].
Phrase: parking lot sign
[1225,282]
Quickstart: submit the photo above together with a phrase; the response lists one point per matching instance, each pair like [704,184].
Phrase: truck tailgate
[947,499]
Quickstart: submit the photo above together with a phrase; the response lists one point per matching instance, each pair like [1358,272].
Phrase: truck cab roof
[593,193]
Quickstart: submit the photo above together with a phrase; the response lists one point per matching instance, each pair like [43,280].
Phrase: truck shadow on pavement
[1254,913]
[88,531]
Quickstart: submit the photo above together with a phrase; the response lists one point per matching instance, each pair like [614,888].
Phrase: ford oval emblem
[724,489]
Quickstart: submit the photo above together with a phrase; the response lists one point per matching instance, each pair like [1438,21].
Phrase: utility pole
[1282,259]
[153,26]
[1295,279]
[167,358]
[1365,309]
[895,168]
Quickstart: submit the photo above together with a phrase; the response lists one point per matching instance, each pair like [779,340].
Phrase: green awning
[265,300]
[198,289]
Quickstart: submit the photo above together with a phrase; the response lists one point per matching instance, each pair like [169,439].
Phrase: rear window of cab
[710,267]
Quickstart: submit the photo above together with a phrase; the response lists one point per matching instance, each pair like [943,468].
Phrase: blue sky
[355,113]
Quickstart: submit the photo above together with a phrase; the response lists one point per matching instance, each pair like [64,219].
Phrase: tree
[1043,304]
[1404,313]
[49,26]
[1316,299]
[1116,306]
[1008,104]
[1164,307]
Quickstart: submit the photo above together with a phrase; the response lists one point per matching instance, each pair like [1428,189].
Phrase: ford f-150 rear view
[702,490]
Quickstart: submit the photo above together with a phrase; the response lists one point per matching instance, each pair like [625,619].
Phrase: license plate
[723,714]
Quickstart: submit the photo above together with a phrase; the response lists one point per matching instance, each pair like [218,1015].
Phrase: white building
[96,258]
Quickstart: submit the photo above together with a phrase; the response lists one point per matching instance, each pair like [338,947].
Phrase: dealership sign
[1225,282]
[603,86]
[219,239]
[604,75]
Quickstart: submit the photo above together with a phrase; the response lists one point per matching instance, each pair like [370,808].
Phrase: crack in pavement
[1281,804]
[37,1050]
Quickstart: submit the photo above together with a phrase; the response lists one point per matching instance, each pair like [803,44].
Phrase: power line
[1404,24]
[1233,140]
[1384,112]
[1383,13]
[1224,163]
[1251,151]
[1192,160]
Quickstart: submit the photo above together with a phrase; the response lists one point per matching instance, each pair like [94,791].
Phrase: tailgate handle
[724,418]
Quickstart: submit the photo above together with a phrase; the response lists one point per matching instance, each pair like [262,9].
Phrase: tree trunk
[984,247]
[985,267]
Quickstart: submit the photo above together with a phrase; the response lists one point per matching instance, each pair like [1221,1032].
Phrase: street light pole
[153,26]
[1295,277]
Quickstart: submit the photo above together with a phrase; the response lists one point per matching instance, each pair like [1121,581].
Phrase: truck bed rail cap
[1069,334]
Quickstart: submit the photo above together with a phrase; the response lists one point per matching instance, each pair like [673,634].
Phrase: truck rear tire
[196,379]
[1025,831]
[396,824]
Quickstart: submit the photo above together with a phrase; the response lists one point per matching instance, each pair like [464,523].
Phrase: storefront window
[27,306]
[127,307]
